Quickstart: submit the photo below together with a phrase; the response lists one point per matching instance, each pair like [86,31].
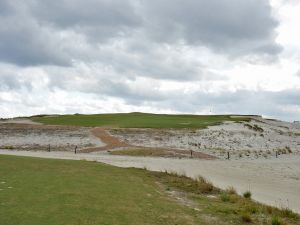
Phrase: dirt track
[110,141]
[114,143]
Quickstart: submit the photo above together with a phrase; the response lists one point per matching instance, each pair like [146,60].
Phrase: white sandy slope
[237,138]
[272,181]
[21,135]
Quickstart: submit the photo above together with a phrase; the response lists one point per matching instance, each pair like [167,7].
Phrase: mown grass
[45,191]
[61,192]
[137,120]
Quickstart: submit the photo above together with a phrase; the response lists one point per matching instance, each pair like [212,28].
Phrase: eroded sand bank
[256,139]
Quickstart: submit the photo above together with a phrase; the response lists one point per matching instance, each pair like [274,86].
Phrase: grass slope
[46,191]
[136,120]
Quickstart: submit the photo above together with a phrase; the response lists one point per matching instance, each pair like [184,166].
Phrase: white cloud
[155,56]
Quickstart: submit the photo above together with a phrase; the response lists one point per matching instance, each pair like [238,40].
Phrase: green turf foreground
[43,191]
[137,120]
[59,192]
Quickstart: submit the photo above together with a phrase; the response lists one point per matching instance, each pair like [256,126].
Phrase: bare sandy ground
[20,121]
[259,138]
[272,181]
[38,137]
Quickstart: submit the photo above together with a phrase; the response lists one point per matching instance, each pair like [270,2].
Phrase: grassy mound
[137,120]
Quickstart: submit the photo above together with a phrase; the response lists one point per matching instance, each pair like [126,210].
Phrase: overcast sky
[161,56]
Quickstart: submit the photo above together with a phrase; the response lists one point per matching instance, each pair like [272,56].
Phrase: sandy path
[112,142]
[275,182]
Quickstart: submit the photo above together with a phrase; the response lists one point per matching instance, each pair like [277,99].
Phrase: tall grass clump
[275,221]
[225,197]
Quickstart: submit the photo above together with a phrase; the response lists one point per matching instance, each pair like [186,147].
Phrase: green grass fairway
[137,120]
[59,192]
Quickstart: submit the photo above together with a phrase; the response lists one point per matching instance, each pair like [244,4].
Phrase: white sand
[237,138]
[20,121]
[274,181]
[38,137]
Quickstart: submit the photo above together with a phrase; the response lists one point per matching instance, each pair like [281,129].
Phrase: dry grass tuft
[198,186]
[246,217]
[231,191]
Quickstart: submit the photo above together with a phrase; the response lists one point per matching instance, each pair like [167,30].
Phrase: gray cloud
[236,27]
[24,43]
[32,32]
[5,8]
[97,19]
[73,13]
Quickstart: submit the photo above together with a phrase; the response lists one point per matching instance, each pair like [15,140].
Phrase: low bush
[247,194]
[7,147]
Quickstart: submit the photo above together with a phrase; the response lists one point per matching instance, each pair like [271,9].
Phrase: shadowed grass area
[137,120]
[46,191]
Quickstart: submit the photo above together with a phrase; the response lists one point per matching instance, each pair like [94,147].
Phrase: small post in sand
[191,153]
[228,155]
[76,149]
[276,154]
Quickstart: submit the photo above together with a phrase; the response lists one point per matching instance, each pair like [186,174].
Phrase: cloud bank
[156,56]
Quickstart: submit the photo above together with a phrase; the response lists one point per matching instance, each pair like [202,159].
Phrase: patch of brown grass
[198,186]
